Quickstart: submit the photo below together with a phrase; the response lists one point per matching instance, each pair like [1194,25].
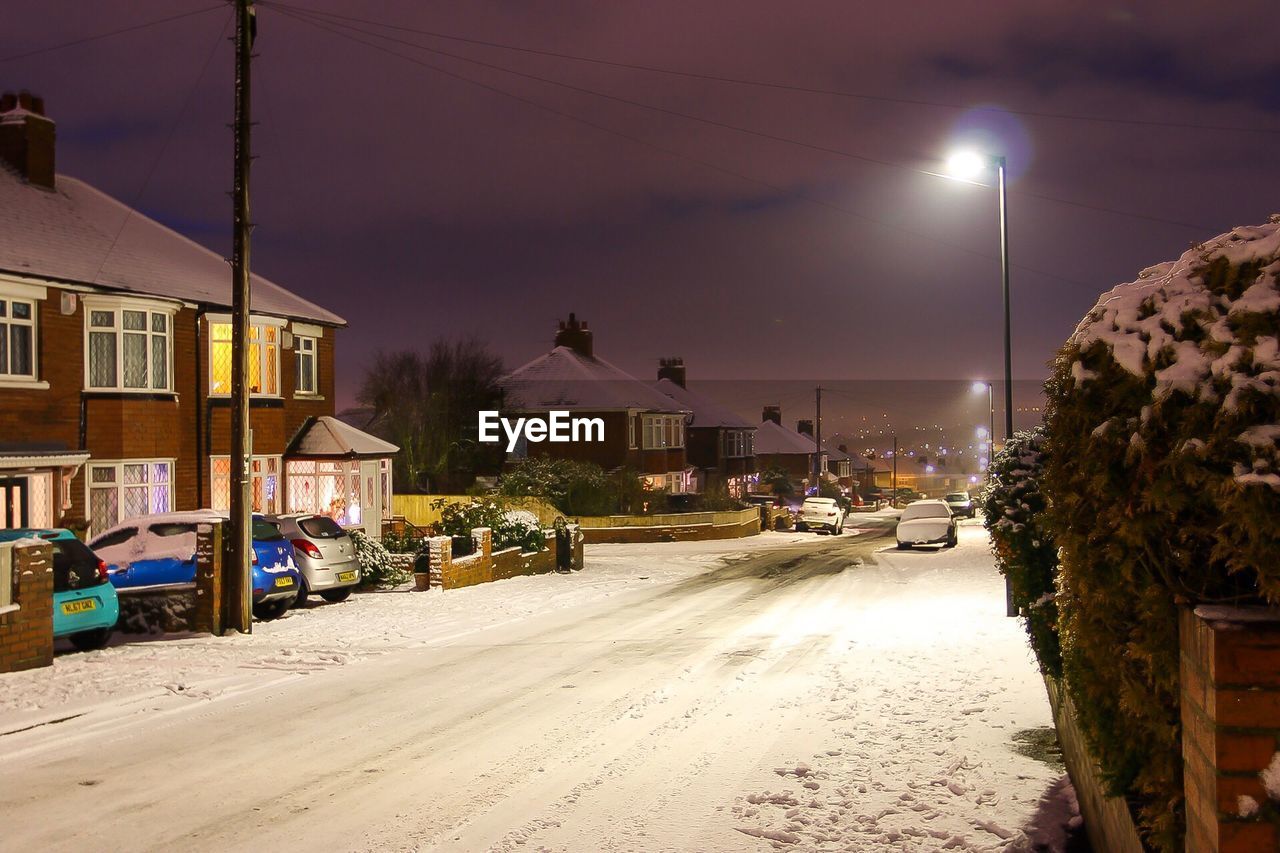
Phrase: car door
[168,555]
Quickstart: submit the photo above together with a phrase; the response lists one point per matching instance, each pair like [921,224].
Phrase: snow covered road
[806,692]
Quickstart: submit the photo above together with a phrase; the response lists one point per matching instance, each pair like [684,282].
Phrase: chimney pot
[673,369]
[772,413]
[576,336]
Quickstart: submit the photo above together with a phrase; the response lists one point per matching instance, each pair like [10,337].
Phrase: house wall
[615,451]
[799,466]
[183,425]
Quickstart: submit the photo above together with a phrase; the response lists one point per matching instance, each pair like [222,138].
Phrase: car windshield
[265,531]
[172,528]
[925,510]
[958,496]
[321,527]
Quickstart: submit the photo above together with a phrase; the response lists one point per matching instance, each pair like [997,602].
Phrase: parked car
[154,552]
[821,514]
[960,504]
[927,523]
[324,554]
[85,607]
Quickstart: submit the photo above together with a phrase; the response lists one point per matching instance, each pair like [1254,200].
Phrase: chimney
[772,413]
[673,369]
[805,427]
[576,336]
[26,138]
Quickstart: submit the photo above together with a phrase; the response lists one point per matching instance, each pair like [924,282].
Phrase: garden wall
[26,613]
[670,527]
[486,565]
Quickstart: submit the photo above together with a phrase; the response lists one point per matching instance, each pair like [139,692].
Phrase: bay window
[329,488]
[128,488]
[17,338]
[661,431]
[264,357]
[129,346]
[264,482]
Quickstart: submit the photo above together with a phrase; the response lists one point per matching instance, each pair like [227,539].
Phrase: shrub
[402,543]
[1163,483]
[1013,508]
[377,569]
[574,488]
[508,528]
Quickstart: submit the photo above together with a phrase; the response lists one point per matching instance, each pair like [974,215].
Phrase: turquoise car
[85,608]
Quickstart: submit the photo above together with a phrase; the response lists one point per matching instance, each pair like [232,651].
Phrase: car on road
[961,504]
[158,552]
[928,522]
[324,554]
[821,514]
[85,607]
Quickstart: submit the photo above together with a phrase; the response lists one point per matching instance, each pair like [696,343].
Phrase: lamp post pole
[1004,282]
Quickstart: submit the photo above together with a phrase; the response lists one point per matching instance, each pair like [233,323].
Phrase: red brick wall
[26,634]
[615,451]
[1230,674]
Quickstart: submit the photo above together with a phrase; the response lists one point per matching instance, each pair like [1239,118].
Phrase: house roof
[328,437]
[566,379]
[77,234]
[772,439]
[706,411]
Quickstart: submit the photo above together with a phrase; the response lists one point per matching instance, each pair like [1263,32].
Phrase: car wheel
[303,592]
[904,546]
[335,596]
[87,641]
[272,609]
[953,540]
[801,527]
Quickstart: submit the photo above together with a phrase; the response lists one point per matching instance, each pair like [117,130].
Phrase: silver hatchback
[324,553]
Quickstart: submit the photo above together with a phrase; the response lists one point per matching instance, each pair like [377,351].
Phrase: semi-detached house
[115,365]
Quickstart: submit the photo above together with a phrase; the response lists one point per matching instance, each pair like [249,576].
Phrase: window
[661,431]
[133,487]
[264,481]
[306,362]
[264,358]
[737,442]
[129,347]
[631,431]
[17,338]
[329,488]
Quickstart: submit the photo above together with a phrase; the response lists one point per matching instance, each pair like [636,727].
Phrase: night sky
[418,205]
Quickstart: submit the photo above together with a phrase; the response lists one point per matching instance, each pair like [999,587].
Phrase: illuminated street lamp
[978,388]
[967,165]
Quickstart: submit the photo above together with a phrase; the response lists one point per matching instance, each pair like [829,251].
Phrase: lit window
[306,362]
[129,348]
[17,338]
[132,487]
[327,488]
[264,483]
[264,359]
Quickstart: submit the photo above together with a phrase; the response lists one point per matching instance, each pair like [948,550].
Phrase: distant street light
[967,165]
[978,388]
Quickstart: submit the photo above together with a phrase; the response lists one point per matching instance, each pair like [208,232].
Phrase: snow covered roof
[67,234]
[772,438]
[566,379]
[329,437]
[706,411]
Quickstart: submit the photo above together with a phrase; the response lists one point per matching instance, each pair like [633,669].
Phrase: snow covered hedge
[1164,483]
[1013,508]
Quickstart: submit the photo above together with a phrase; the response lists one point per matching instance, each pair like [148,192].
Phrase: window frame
[119,485]
[662,432]
[272,505]
[8,300]
[117,306]
[313,356]
[255,321]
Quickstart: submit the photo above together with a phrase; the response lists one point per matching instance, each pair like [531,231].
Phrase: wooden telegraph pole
[238,577]
[817,439]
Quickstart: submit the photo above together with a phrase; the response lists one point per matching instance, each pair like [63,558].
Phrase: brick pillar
[1230,674]
[209,616]
[576,539]
[483,537]
[440,558]
[26,626]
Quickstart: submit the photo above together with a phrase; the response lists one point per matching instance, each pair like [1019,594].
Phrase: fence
[418,509]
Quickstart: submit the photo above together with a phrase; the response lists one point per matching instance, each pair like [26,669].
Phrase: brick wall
[26,633]
[485,565]
[1230,673]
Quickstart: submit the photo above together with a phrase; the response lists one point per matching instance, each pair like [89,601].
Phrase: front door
[14,503]
[372,497]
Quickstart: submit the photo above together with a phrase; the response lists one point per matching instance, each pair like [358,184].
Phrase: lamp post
[978,388]
[967,165]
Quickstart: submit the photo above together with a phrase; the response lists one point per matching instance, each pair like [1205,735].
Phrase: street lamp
[978,388]
[968,165]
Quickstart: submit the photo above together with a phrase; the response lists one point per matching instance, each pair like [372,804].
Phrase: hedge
[1164,488]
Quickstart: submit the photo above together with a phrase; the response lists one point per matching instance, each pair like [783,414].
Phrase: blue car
[85,608]
[158,552]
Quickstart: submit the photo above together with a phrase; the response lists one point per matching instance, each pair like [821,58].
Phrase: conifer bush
[1013,507]
[1164,487]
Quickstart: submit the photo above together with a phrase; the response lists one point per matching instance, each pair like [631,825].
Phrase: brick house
[115,364]
[644,430]
[720,441]
[777,446]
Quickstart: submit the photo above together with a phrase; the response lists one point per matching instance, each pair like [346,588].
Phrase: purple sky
[417,205]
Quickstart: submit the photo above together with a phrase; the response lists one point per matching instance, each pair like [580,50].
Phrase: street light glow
[965,164]
[979,387]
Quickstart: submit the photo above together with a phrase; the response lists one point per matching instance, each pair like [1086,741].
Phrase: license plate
[285,581]
[346,577]
[81,605]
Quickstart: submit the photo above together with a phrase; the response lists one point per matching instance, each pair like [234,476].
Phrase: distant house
[644,429]
[721,443]
[778,447]
[115,365]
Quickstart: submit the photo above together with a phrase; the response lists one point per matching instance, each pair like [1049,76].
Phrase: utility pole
[894,497]
[238,577]
[1004,286]
[817,437]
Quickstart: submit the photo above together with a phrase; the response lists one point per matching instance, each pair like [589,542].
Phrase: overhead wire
[109,34]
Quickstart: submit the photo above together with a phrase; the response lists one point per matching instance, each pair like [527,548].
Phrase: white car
[821,514]
[927,523]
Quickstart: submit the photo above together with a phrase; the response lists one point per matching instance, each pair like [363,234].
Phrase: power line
[767,84]
[725,125]
[932,239]
[100,36]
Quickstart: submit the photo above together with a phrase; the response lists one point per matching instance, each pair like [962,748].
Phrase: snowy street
[791,690]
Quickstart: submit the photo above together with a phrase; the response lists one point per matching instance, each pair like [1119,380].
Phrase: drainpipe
[200,449]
